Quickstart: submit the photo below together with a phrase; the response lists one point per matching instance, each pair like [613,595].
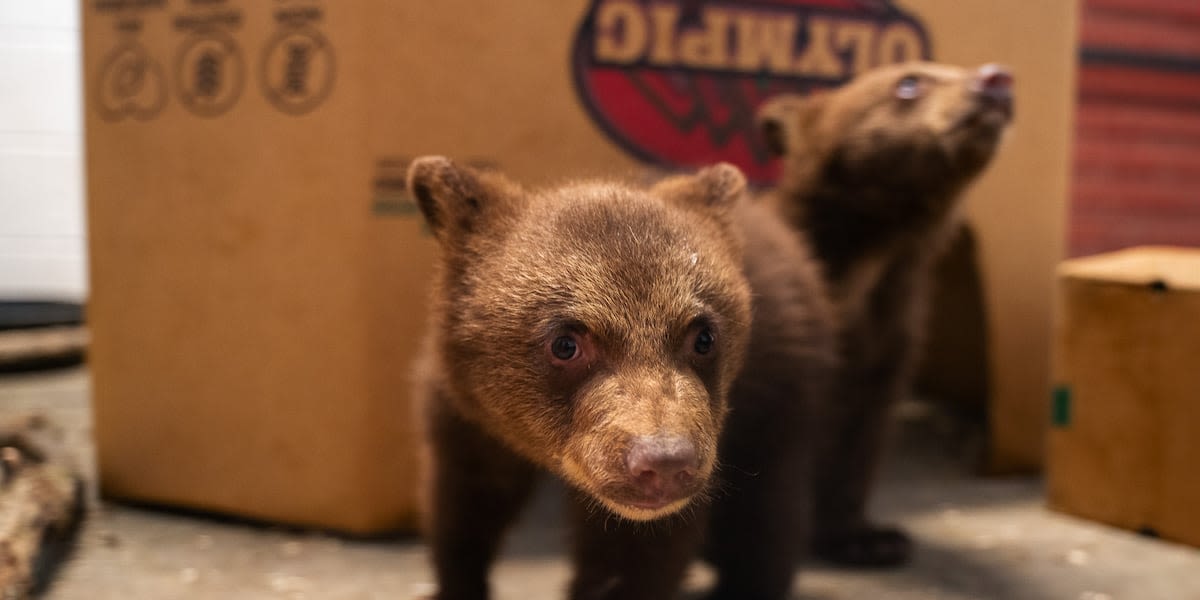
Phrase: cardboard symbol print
[210,73]
[297,70]
[131,84]
[677,83]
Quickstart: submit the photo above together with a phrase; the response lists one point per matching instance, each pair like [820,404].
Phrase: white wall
[42,247]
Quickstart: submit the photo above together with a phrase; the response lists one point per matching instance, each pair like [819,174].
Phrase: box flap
[1166,267]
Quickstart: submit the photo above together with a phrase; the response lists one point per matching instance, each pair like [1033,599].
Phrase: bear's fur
[872,175]
[596,331]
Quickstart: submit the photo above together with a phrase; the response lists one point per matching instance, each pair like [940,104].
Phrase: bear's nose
[662,466]
[993,85]
[995,77]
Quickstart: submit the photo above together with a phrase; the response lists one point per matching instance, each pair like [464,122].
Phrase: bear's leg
[619,559]
[478,489]
[760,519]
[853,439]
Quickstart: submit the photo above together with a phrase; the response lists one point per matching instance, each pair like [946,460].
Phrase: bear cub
[598,331]
[872,177]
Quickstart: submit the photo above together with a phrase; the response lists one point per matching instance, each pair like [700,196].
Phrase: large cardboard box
[255,299]
[1126,421]
[258,275]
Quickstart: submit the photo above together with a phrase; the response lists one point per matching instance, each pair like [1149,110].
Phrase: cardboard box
[258,276]
[255,296]
[1125,422]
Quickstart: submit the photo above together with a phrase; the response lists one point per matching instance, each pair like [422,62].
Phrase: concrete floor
[977,539]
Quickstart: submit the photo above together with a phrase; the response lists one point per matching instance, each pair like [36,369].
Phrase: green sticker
[1060,406]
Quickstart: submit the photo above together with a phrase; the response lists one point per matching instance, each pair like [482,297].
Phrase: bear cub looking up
[872,176]
[597,331]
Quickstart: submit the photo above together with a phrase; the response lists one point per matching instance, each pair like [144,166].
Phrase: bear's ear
[456,200]
[783,119]
[714,190]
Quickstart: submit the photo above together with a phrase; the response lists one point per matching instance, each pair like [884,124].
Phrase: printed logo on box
[677,83]
[210,72]
[131,84]
[297,70]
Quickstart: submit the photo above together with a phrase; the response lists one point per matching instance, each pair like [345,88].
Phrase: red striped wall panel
[1137,144]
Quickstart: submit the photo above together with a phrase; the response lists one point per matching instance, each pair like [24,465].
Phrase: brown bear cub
[596,331]
[872,174]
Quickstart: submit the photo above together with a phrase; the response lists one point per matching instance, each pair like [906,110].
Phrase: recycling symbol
[297,70]
[210,73]
[131,84]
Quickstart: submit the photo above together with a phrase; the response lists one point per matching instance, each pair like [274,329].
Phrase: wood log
[41,506]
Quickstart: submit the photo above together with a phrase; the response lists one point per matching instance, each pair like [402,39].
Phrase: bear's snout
[993,83]
[662,469]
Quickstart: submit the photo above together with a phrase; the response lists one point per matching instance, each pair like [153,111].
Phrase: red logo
[676,83]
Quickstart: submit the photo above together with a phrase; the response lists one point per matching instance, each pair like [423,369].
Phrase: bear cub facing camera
[598,331]
[872,177]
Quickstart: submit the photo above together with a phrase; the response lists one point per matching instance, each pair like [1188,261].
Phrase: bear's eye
[704,341]
[564,347]
[908,88]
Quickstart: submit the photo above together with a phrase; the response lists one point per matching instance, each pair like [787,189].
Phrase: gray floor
[977,539]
